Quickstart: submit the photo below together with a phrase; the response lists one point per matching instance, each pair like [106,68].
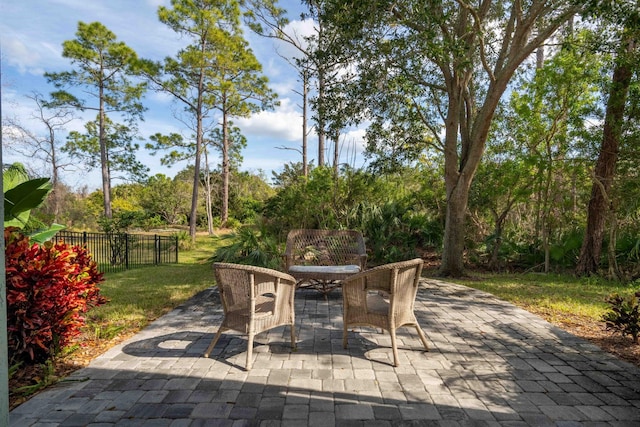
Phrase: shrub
[251,245]
[49,287]
[184,240]
[624,316]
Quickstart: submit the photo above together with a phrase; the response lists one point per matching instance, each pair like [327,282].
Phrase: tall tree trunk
[460,168]
[589,259]
[454,232]
[453,250]
[207,183]
[305,92]
[55,179]
[104,160]
[321,122]
[193,218]
[336,154]
[193,215]
[224,211]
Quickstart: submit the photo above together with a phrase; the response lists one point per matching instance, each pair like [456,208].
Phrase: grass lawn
[139,296]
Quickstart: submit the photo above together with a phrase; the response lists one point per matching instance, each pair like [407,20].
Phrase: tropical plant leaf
[42,236]
[21,199]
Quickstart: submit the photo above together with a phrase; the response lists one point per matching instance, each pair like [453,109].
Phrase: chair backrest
[325,247]
[240,284]
[405,282]
[399,280]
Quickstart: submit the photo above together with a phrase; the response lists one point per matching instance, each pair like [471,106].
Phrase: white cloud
[283,123]
[25,59]
[298,30]
[355,137]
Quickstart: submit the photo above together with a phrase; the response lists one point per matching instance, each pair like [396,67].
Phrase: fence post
[126,251]
[156,249]
[175,245]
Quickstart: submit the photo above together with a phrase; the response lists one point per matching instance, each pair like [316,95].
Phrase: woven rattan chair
[322,258]
[383,297]
[254,300]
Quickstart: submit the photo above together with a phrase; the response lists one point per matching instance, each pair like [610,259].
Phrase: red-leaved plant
[49,287]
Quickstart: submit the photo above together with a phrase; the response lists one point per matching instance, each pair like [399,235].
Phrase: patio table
[323,278]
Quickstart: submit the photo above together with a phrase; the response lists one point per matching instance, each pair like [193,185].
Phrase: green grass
[139,296]
[552,294]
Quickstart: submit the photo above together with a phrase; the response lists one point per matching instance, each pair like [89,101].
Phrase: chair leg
[394,346]
[344,334]
[294,344]
[214,341]
[249,352]
[422,336]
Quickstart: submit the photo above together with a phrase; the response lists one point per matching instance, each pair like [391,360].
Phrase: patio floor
[490,363]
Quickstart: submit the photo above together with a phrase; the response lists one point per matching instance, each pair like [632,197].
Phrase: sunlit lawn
[139,296]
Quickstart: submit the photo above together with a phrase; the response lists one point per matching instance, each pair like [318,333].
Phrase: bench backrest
[325,247]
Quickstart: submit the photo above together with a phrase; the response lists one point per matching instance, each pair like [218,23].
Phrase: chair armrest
[384,269]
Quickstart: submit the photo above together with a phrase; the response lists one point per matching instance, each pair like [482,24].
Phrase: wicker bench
[322,258]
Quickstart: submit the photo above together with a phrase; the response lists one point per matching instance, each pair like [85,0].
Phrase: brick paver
[490,363]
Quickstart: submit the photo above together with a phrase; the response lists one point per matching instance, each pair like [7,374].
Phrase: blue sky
[31,42]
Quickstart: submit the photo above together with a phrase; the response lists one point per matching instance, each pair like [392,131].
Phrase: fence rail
[121,251]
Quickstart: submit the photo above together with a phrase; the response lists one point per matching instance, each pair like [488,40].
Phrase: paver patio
[490,363]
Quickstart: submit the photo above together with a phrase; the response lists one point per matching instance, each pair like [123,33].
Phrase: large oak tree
[430,74]
[624,18]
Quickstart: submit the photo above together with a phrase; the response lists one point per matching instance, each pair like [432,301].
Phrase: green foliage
[251,245]
[393,232]
[566,250]
[184,240]
[103,65]
[248,193]
[396,213]
[120,223]
[21,196]
[321,201]
[628,248]
[624,315]
[233,223]
[120,146]
[166,198]
[21,199]
[103,70]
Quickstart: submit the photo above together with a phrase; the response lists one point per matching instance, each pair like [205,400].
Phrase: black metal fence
[121,251]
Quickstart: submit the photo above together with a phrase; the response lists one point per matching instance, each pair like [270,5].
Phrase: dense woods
[499,135]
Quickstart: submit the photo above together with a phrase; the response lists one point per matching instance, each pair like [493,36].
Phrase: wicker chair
[254,300]
[322,258]
[383,297]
